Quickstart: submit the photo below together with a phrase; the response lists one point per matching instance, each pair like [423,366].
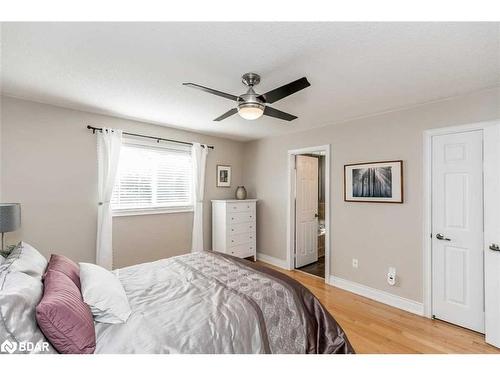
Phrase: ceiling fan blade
[211,91]
[268,111]
[227,114]
[284,91]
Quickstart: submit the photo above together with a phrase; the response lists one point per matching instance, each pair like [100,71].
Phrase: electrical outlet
[354,263]
[391,276]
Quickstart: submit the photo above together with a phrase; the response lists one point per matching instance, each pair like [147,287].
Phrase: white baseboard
[378,295]
[375,294]
[272,260]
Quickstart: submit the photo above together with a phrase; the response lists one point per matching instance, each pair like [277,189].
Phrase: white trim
[393,300]
[151,211]
[290,227]
[290,223]
[491,176]
[272,260]
[427,208]
[427,227]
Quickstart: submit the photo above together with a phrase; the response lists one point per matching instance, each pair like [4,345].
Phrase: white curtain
[109,143]
[199,160]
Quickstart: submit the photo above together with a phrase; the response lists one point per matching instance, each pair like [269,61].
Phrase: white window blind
[150,178]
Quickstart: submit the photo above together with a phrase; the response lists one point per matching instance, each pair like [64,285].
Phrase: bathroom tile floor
[316,268]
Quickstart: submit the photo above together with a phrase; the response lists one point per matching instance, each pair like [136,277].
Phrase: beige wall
[48,161]
[378,235]
[49,164]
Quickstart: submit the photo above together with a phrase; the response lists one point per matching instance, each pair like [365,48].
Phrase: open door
[306,210]
[492,234]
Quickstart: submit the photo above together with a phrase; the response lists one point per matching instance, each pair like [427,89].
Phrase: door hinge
[431,235]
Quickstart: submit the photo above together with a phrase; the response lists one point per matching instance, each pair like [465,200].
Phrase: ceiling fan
[252,105]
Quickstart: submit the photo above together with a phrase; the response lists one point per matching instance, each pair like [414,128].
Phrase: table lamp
[10,218]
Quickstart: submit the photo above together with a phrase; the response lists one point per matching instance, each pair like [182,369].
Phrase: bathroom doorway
[308,220]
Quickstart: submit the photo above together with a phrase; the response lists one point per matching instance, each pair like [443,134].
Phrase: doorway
[308,219]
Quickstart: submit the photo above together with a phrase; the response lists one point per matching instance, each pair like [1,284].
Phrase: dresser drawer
[242,251]
[238,239]
[241,217]
[242,228]
[240,207]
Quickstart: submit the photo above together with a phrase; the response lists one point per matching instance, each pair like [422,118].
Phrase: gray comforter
[212,303]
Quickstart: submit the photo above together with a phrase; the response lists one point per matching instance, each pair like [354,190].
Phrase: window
[152,179]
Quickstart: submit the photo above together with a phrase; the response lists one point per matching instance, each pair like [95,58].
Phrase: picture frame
[374,182]
[223,175]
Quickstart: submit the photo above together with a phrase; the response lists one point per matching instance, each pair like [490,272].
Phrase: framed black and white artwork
[223,176]
[380,182]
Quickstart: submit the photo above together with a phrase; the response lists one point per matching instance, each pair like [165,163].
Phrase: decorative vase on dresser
[241,193]
[234,227]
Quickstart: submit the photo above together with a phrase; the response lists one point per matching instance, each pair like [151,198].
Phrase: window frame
[130,140]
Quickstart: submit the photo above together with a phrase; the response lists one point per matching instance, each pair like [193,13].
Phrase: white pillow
[104,294]
[19,295]
[26,259]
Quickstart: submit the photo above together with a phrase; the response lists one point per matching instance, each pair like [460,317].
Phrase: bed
[208,302]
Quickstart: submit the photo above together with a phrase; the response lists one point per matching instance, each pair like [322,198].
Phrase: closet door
[492,233]
[457,229]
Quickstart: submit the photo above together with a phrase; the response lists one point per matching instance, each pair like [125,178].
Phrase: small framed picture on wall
[378,182]
[223,176]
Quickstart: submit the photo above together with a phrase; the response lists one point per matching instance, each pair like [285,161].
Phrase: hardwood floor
[373,327]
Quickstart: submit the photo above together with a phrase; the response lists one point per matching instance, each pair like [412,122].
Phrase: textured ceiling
[136,70]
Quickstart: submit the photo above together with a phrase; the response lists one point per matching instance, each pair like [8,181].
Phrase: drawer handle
[232,230]
[250,227]
[232,240]
[250,216]
[232,218]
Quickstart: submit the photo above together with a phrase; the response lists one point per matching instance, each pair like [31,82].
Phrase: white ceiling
[136,70]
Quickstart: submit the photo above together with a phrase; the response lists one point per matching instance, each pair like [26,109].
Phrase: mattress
[212,303]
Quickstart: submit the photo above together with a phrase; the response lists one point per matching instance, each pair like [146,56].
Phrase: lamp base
[6,253]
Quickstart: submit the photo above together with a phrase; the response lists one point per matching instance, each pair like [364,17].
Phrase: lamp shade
[10,217]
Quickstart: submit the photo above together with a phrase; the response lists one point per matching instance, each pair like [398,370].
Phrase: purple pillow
[65,265]
[63,317]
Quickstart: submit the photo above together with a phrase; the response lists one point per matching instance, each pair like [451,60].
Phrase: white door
[492,234]
[306,210]
[457,229]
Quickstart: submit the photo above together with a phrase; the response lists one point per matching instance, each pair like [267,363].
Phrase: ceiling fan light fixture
[252,105]
[251,111]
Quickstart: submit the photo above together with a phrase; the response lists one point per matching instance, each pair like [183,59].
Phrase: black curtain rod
[157,139]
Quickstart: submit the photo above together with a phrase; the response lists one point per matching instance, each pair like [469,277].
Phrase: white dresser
[234,227]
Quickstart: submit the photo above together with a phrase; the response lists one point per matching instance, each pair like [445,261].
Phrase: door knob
[494,247]
[439,236]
